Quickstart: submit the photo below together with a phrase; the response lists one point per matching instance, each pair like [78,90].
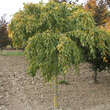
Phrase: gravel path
[19,91]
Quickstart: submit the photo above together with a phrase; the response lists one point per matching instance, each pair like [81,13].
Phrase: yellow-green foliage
[24,24]
[57,35]
[51,52]
[36,18]
[55,46]
[101,50]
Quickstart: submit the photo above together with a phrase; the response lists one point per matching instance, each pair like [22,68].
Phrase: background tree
[99,10]
[90,6]
[4,40]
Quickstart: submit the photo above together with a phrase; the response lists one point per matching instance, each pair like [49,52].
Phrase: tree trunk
[55,93]
[95,76]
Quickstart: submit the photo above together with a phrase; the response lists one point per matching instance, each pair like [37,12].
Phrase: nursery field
[19,91]
[63,46]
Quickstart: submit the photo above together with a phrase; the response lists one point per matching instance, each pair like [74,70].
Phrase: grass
[11,53]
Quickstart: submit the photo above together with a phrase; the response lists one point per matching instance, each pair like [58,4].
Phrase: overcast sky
[9,7]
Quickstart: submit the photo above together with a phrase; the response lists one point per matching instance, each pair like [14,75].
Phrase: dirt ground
[19,91]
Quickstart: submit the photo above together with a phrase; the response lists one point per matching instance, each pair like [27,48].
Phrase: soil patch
[19,91]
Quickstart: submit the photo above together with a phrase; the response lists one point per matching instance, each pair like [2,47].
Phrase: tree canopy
[58,35]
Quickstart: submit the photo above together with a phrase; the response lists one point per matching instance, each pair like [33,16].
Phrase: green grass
[9,53]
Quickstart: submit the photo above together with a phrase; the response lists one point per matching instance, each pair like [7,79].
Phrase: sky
[9,7]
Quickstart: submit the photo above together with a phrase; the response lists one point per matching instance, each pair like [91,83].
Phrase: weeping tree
[51,53]
[50,49]
[59,44]
[57,36]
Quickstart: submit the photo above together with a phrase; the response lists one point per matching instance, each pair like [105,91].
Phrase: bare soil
[19,91]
